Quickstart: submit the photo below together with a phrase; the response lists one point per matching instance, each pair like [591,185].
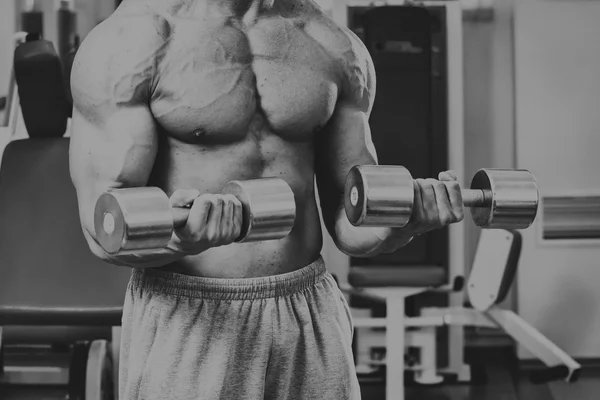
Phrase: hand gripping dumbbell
[383,196]
[138,219]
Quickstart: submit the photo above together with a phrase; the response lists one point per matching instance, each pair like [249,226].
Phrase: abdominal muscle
[207,168]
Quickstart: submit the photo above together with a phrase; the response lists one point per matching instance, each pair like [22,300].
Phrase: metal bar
[409,322]
[115,345]
[534,341]
[395,339]
[52,376]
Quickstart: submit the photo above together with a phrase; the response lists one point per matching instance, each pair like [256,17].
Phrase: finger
[198,217]
[183,197]
[213,226]
[238,218]
[417,211]
[447,176]
[456,201]
[430,208]
[444,208]
[424,209]
[227,217]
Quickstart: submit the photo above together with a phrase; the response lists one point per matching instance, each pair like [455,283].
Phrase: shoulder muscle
[115,64]
[354,64]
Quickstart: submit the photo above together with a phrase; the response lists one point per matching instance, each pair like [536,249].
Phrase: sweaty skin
[190,94]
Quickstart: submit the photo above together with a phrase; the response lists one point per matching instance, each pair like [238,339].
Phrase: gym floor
[497,377]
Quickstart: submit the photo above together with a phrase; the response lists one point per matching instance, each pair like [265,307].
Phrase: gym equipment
[32,21]
[39,77]
[99,372]
[66,23]
[384,196]
[492,274]
[52,288]
[78,370]
[139,219]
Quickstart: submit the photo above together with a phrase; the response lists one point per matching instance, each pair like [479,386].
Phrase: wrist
[183,248]
[396,238]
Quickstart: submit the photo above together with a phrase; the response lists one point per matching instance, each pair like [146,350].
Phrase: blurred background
[472,84]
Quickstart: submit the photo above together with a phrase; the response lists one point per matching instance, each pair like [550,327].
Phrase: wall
[558,92]
[489,100]
[89,14]
[542,102]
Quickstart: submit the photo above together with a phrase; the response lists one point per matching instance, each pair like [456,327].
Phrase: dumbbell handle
[476,197]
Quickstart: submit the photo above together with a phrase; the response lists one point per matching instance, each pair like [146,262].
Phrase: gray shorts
[283,337]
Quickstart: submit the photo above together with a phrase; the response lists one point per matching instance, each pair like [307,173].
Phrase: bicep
[346,140]
[112,144]
[119,153]
[344,143]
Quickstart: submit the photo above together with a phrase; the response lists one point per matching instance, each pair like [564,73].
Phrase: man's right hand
[214,220]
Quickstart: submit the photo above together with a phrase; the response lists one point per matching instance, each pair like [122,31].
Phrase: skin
[187,95]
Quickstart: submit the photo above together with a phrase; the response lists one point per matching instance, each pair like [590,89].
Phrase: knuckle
[238,205]
[440,185]
[202,200]
[212,237]
[453,185]
[423,184]
[459,212]
[430,184]
[230,199]
[445,219]
[237,221]
[217,200]
[196,236]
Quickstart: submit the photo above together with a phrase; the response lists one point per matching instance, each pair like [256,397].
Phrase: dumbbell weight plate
[514,197]
[133,220]
[379,196]
[269,208]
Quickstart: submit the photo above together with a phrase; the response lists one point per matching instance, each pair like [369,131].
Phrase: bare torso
[242,95]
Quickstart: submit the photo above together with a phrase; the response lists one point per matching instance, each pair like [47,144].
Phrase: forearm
[365,242]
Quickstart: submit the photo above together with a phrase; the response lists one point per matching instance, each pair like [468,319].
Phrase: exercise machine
[60,306]
[491,276]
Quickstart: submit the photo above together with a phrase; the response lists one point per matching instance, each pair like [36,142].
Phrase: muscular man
[187,95]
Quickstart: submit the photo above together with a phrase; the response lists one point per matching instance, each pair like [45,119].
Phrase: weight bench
[492,274]
[52,288]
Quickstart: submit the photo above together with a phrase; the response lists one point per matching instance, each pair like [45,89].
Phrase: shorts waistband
[159,281]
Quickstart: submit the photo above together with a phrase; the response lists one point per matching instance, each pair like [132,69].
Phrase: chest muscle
[215,80]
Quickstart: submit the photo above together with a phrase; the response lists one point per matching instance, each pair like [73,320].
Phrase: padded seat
[398,276]
[48,275]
